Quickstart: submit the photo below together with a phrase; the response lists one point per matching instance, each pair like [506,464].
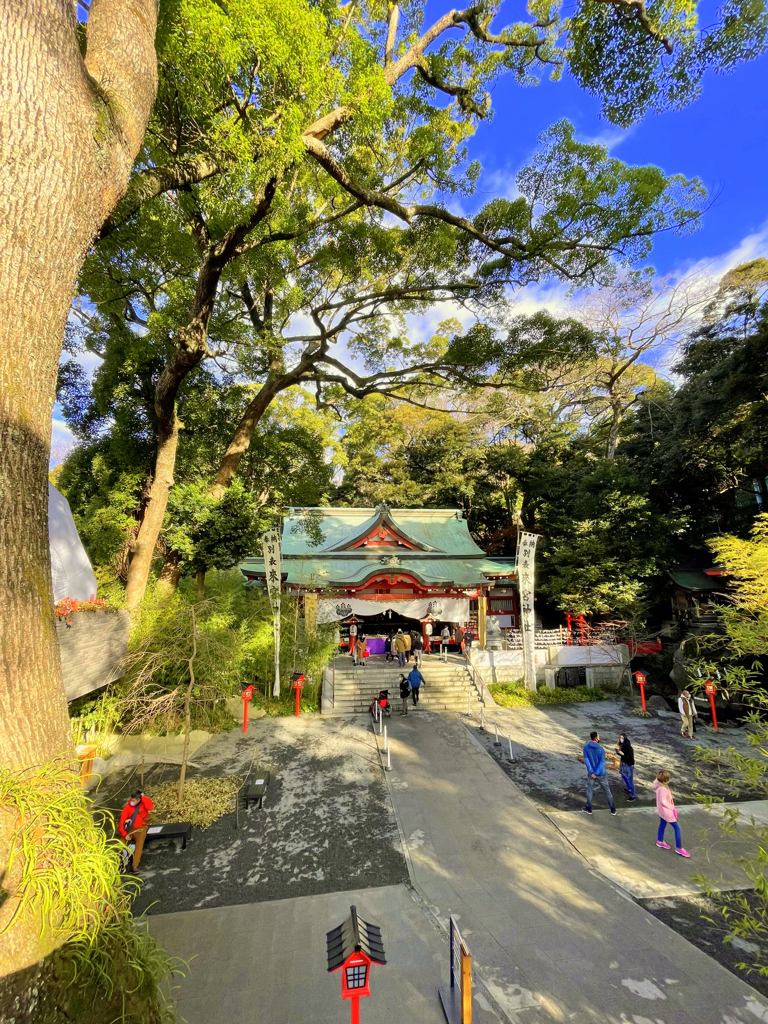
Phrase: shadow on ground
[327,824]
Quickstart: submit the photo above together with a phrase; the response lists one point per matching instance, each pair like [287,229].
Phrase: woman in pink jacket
[665,806]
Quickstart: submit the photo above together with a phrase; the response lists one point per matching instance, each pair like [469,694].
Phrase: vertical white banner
[526,554]
[270,546]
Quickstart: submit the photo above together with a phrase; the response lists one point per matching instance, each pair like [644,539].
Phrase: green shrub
[514,695]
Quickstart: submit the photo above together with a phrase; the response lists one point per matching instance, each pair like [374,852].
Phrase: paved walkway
[265,963]
[623,847]
[552,939]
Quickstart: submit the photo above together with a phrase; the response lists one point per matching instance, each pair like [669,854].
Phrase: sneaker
[682,852]
[631,798]
[587,810]
[663,846]
[614,811]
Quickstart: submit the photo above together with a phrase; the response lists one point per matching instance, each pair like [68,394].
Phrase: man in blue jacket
[594,762]
[415,679]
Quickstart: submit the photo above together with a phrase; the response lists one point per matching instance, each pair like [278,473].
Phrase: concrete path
[623,848]
[552,939]
[265,963]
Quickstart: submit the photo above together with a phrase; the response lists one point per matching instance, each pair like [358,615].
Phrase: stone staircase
[447,686]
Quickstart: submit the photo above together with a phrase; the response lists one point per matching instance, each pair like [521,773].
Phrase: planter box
[92,650]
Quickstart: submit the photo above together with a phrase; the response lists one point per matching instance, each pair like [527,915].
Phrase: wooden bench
[163,833]
[254,792]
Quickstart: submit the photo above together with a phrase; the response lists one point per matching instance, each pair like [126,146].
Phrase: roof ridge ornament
[383,509]
[390,560]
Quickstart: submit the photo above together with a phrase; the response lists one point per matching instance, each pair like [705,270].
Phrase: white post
[482,718]
[496,742]
[510,759]
[389,762]
[381,720]
[386,742]
[469,705]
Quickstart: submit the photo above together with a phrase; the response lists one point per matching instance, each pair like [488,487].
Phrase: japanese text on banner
[270,545]
[526,553]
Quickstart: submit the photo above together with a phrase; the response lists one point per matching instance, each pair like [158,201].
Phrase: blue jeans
[401,658]
[678,836]
[601,780]
[628,775]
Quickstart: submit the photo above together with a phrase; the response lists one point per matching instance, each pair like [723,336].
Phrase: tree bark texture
[69,131]
[70,128]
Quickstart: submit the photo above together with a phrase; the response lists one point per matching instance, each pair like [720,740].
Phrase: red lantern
[640,680]
[246,695]
[297,681]
[352,948]
[711,690]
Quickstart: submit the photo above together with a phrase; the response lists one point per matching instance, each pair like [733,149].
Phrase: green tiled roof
[446,555]
[696,579]
[442,530]
[334,572]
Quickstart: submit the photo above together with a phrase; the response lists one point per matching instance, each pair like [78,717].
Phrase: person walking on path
[417,646]
[405,692]
[445,637]
[399,645]
[688,713]
[134,822]
[407,642]
[415,679]
[594,761]
[627,766]
[665,806]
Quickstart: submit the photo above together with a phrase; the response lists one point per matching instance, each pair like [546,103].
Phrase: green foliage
[515,695]
[738,658]
[66,872]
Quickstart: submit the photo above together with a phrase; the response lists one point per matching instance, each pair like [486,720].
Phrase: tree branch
[153,182]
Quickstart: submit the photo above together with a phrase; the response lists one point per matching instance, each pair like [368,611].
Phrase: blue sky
[721,138]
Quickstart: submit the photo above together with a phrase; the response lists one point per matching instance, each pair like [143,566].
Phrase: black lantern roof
[354,936]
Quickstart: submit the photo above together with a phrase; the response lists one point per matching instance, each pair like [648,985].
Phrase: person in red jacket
[134,821]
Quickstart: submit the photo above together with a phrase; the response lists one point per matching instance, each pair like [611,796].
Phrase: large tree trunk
[617,415]
[69,131]
[152,523]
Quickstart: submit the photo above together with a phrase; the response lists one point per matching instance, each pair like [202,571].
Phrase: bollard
[469,705]
[482,718]
[510,759]
[389,762]
[496,742]
[386,741]
[381,720]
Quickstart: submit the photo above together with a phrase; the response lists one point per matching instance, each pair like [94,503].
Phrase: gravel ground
[546,742]
[327,824]
[688,916]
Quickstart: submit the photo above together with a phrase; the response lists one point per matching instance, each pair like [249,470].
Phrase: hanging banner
[524,563]
[446,609]
[270,546]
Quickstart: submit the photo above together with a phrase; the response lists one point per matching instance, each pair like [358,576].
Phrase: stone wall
[92,650]
[606,661]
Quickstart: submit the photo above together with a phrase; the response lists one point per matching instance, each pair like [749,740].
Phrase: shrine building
[386,569]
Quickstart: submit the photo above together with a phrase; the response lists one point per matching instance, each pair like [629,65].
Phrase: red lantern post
[298,685]
[711,689]
[353,947]
[246,695]
[640,680]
